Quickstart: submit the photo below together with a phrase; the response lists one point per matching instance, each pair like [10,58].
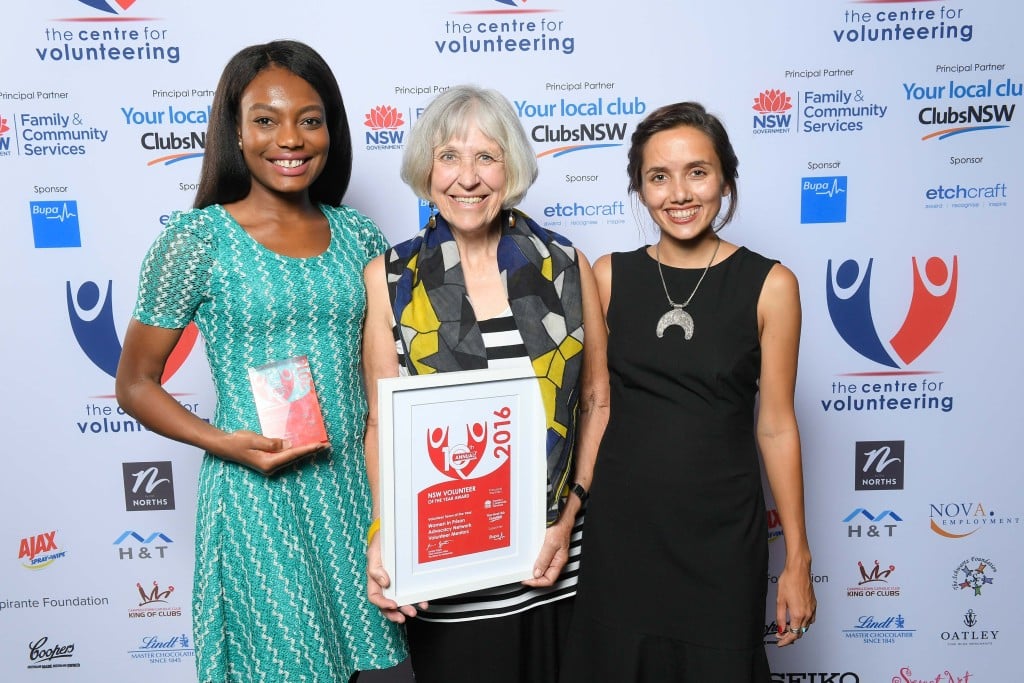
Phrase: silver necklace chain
[673,304]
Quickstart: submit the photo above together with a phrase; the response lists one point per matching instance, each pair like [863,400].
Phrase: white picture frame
[460,516]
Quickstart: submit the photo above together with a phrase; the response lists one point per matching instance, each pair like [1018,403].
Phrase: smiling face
[682,184]
[467,181]
[282,132]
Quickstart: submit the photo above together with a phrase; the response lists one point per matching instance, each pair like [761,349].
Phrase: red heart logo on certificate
[457,461]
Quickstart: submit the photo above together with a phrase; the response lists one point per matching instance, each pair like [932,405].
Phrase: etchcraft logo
[117,36]
[961,519]
[40,550]
[161,132]
[565,126]
[874,582]
[973,574]
[154,602]
[972,630]
[44,654]
[134,546]
[148,486]
[978,105]
[823,199]
[504,27]
[911,26]
[158,649]
[956,195]
[816,112]
[884,630]
[878,465]
[882,524]
[384,122]
[55,224]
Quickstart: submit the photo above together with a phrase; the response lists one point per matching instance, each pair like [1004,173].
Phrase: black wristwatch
[580,492]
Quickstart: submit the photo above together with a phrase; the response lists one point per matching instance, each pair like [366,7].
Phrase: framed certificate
[462,481]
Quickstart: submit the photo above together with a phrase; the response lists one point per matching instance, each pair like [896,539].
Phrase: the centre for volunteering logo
[504,27]
[849,287]
[117,35]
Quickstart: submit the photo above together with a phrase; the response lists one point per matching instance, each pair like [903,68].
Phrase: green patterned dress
[280,575]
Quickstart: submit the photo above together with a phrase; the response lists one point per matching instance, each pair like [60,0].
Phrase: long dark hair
[690,114]
[224,176]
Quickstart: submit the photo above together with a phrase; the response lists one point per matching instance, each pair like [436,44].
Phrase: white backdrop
[876,140]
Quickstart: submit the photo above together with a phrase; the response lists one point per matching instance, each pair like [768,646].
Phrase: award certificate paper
[463,475]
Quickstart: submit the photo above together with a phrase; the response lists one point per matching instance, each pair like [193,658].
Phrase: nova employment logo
[40,551]
[848,290]
[823,199]
[987,108]
[384,122]
[55,224]
[878,465]
[960,520]
[504,26]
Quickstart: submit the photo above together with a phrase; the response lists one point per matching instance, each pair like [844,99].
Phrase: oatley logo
[384,122]
[771,106]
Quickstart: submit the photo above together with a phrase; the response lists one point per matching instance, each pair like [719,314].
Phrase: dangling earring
[432,221]
[239,143]
[511,220]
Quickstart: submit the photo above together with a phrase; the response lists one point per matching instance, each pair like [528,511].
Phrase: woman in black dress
[674,586]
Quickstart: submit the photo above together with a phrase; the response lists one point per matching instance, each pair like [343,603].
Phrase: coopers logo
[504,27]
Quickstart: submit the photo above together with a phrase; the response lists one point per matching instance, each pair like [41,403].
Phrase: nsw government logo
[5,139]
[878,465]
[384,122]
[55,224]
[773,112]
[823,199]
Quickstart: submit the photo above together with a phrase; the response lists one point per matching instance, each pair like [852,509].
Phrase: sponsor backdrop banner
[879,158]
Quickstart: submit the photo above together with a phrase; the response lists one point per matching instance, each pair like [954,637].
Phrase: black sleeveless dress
[675,581]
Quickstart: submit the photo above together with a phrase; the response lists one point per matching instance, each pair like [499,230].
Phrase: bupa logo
[55,224]
[823,199]
[933,295]
[771,107]
[384,122]
[91,313]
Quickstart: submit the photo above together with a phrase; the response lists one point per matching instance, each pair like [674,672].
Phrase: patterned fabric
[438,328]
[280,577]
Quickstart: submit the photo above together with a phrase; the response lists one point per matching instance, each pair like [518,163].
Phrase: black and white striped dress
[505,349]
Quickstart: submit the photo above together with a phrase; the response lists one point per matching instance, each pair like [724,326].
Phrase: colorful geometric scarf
[439,332]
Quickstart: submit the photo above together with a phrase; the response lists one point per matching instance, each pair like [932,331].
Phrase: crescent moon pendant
[677,316]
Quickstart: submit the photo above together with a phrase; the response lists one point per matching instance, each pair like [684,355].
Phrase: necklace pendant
[676,316]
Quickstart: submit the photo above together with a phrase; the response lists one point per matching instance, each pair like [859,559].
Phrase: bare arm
[593,417]
[140,394]
[379,360]
[779,440]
